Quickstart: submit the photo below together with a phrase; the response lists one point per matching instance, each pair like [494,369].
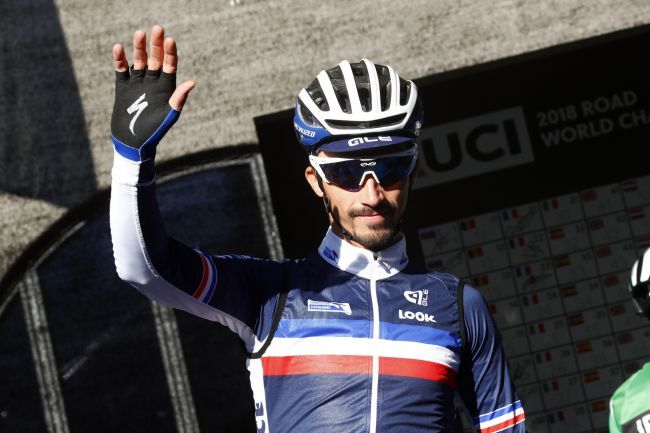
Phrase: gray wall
[248,59]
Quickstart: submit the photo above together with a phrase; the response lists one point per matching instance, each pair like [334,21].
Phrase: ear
[312,179]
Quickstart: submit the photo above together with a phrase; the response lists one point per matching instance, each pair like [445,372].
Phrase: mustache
[384,208]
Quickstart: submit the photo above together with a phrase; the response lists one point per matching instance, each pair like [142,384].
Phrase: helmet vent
[368,124]
[383,74]
[362,83]
[404,91]
[341,92]
[317,95]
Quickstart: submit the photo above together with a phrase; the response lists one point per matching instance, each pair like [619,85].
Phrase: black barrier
[534,186]
[82,351]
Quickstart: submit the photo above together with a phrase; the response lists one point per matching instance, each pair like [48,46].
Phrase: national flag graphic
[603,252]
[630,185]
[624,338]
[517,243]
[568,291]
[539,329]
[557,233]
[506,215]
[520,271]
[596,224]
[631,367]
[493,309]
[610,280]
[636,213]
[643,242]
[434,264]
[475,252]
[551,386]
[575,320]
[589,195]
[591,376]
[550,204]
[530,299]
[428,234]
[562,261]
[584,347]
[468,224]
[481,280]
[598,406]
[617,310]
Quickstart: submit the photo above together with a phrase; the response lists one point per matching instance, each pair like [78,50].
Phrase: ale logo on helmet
[360,140]
[329,307]
[419,297]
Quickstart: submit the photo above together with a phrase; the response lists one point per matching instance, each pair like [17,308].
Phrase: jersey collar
[358,261]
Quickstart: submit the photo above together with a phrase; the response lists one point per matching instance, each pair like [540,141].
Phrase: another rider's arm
[484,381]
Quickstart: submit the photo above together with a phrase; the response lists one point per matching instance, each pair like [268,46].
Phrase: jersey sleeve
[231,290]
[484,382]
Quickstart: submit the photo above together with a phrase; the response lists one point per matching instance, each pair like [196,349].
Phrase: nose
[371,191]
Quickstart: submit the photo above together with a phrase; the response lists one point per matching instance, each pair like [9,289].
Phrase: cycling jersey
[630,404]
[360,341]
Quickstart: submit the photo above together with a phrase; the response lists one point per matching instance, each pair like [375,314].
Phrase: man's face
[371,214]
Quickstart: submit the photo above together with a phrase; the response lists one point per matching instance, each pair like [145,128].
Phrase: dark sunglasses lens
[392,170]
[347,174]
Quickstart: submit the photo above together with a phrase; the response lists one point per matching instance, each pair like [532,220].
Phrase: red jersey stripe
[316,364]
[353,364]
[505,424]
[417,368]
[204,280]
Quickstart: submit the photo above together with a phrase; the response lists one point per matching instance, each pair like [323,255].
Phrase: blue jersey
[348,340]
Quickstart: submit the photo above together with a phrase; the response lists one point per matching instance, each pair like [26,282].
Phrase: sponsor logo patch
[419,316]
[330,307]
[418,297]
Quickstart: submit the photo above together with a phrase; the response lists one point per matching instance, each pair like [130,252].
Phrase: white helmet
[348,107]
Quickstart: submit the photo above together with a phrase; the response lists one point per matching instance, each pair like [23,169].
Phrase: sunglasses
[349,173]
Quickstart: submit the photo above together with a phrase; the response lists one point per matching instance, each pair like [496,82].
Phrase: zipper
[375,337]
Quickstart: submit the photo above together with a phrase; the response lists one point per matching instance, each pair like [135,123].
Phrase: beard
[379,235]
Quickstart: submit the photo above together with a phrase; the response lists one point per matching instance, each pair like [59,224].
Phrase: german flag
[468,224]
[636,213]
[575,320]
[591,376]
[584,347]
[481,280]
[475,252]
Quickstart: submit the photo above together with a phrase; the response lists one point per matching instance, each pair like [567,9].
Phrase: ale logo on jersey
[329,307]
[418,297]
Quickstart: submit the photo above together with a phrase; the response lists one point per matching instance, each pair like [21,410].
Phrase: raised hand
[147,100]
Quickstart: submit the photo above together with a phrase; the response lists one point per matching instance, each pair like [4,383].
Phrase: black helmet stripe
[350,85]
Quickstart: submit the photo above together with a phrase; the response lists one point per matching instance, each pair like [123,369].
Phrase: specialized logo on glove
[141,112]
[138,106]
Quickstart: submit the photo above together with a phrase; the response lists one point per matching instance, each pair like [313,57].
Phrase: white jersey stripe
[363,347]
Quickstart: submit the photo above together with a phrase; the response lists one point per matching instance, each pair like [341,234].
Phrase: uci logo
[472,146]
[359,140]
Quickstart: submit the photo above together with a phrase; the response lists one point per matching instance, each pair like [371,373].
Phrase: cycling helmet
[357,106]
[639,285]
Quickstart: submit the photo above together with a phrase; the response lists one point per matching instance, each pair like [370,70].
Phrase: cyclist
[630,404]
[353,338]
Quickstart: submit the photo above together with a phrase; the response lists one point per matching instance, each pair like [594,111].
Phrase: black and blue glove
[141,112]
